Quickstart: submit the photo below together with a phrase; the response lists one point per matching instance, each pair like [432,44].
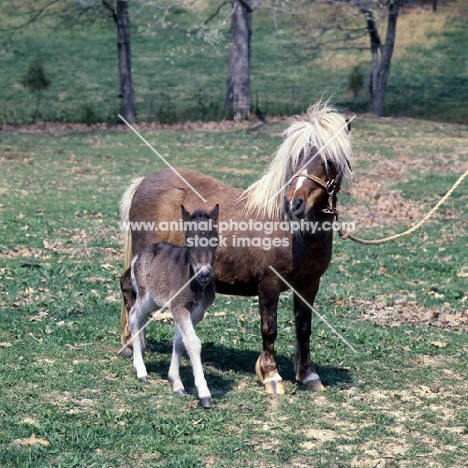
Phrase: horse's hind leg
[137,321]
[305,371]
[193,346]
[129,298]
[174,376]
[265,367]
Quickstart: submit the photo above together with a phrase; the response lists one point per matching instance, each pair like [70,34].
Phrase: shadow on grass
[225,359]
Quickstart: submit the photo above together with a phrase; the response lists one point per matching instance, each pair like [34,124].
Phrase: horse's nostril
[204,273]
[297,205]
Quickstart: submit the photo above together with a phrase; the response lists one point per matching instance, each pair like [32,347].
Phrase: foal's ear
[185,214]
[215,212]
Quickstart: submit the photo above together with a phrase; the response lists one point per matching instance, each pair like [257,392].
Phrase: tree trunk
[127,108]
[381,55]
[238,97]
[38,103]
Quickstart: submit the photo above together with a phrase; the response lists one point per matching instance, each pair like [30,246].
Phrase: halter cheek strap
[329,188]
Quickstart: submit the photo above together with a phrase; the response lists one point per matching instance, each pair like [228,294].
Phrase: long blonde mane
[320,132]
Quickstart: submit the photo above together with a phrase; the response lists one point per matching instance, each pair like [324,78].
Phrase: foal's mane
[321,125]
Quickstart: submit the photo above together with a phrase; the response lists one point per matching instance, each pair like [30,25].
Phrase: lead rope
[347,235]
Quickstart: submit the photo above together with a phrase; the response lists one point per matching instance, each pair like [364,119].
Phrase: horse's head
[313,188]
[201,238]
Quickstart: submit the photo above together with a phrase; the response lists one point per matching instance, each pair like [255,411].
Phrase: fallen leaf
[435,387]
[39,340]
[439,344]
[193,404]
[220,314]
[5,345]
[31,441]
[162,316]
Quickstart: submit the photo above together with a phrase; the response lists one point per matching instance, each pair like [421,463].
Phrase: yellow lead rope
[346,235]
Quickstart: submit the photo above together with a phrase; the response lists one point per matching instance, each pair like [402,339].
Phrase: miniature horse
[182,277]
[299,188]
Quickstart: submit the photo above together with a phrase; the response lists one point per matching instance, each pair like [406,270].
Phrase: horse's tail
[125,204]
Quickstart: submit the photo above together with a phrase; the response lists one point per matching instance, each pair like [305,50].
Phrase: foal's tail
[125,204]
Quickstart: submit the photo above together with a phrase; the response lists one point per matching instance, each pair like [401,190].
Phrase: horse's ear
[215,212]
[185,213]
[348,126]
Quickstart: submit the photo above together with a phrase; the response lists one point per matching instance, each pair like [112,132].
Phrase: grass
[171,83]
[61,255]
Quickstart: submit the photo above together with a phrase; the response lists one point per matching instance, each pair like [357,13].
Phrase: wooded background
[171,61]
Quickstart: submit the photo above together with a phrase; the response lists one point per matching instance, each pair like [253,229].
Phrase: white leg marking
[177,350]
[310,377]
[193,346]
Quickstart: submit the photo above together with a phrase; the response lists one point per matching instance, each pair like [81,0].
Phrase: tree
[36,81]
[381,53]
[121,18]
[238,95]
[85,12]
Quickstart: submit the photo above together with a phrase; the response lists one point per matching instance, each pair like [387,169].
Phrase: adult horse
[301,184]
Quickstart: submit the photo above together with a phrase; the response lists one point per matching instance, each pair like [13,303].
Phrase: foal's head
[201,239]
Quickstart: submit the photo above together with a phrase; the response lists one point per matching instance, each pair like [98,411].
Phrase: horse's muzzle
[204,275]
[294,209]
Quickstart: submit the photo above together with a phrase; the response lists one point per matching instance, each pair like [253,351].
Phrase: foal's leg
[265,368]
[137,320]
[193,346]
[305,371]
[174,376]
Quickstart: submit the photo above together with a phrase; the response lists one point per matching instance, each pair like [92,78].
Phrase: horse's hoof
[206,402]
[274,387]
[180,392]
[127,352]
[144,378]
[315,385]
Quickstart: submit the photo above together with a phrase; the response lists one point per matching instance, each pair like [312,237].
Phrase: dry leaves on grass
[412,313]
[31,441]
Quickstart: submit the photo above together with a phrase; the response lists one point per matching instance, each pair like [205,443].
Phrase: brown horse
[283,220]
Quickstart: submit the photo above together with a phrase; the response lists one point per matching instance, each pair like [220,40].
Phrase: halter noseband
[329,188]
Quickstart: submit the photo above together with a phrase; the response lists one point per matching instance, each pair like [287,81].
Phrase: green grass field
[178,77]
[400,399]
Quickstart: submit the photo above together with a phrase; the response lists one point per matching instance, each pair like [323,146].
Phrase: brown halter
[329,188]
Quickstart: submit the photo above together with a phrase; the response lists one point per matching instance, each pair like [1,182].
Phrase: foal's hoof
[180,392]
[127,352]
[315,385]
[274,387]
[143,379]
[206,402]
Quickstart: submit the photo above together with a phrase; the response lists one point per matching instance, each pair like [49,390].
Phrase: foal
[160,274]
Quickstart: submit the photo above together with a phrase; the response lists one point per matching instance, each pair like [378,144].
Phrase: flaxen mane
[321,132]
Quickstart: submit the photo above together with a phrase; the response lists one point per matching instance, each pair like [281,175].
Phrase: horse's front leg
[265,367]
[174,376]
[305,372]
[193,347]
